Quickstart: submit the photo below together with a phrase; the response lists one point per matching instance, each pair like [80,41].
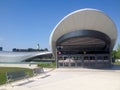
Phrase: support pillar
[56,58]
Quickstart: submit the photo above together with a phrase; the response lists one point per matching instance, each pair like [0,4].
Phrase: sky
[25,23]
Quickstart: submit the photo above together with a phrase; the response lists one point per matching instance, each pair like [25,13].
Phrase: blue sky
[25,23]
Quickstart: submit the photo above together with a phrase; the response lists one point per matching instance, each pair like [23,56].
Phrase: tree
[118,52]
[114,52]
[46,49]
[14,49]
[118,55]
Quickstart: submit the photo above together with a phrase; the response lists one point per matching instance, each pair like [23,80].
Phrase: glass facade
[84,60]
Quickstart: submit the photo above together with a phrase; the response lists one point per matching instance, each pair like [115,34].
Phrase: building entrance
[82,60]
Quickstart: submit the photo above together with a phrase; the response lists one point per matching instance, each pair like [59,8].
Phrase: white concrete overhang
[19,56]
[84,19]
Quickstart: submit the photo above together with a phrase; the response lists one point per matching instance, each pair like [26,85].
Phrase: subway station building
[84,38]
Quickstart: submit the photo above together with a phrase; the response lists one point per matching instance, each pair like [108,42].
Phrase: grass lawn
[3,70]
[47,65]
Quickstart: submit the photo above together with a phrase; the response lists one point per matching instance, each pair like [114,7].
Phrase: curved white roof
[84,19]
[19,56]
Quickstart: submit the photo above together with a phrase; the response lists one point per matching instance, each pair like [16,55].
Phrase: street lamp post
[57,48]
[56,58]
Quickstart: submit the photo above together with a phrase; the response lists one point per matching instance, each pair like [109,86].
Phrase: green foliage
[116,53]
[3,71]
[47,65]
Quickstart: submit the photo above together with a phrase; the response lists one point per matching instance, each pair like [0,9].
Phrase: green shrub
[47,65]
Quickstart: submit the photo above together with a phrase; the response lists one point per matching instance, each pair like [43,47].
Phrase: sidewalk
[71,79]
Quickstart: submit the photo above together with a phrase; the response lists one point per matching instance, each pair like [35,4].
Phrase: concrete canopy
[9,57]
[84,19]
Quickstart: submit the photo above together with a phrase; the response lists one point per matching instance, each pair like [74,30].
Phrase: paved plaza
[70,79]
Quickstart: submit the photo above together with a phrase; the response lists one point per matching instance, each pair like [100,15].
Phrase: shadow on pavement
[25,83]
[45,76]
[115,67]
[112,67]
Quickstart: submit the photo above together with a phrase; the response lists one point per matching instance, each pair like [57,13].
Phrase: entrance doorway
[81,60]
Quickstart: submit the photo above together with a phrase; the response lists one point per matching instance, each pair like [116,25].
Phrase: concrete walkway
[19,65]
[70,79]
